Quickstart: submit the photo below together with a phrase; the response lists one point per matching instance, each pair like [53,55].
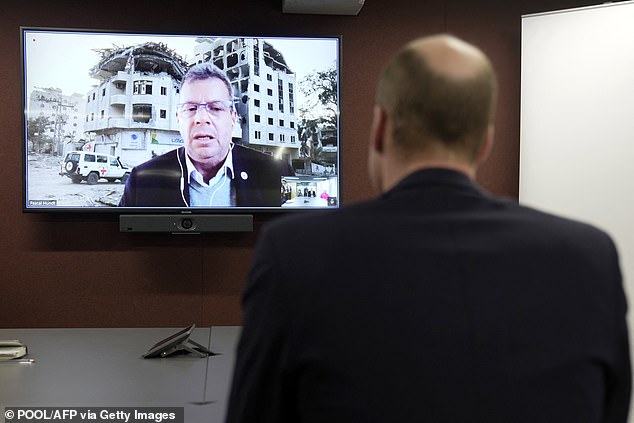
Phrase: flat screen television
[108,127]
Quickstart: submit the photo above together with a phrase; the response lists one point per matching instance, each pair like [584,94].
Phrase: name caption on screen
[121,415]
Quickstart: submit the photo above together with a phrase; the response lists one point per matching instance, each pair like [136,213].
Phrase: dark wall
[80,271]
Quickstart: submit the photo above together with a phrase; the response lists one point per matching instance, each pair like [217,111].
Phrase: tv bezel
[170,211]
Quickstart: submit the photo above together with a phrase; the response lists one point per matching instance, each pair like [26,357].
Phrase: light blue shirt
[218,192]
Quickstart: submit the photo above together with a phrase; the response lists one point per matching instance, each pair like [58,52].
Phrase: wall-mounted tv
[198,123]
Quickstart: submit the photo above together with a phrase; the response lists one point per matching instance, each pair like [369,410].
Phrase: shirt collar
[226,169]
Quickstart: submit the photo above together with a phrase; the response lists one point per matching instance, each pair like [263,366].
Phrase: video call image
[96,104]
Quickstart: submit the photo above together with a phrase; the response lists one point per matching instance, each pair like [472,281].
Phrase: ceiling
[323,7]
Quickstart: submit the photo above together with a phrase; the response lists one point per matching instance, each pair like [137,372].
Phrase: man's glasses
[214,108]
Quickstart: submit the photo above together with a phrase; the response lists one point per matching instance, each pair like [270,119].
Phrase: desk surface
[105,368]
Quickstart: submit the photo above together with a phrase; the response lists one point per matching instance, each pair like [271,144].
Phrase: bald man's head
[439,91]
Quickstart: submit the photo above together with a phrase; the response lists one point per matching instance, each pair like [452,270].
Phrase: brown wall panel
[80,271]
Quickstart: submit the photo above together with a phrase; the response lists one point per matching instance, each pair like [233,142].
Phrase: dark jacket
[157,182]
[433,303]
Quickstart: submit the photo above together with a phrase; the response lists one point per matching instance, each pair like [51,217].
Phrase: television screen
[130,122]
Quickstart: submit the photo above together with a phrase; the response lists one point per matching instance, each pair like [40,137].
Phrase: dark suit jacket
[157,182]
[433,303]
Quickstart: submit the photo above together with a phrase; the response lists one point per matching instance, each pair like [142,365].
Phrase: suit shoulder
[554,224]
[318,221]
[248,158]
[165,160]
[165,165]
[246,154]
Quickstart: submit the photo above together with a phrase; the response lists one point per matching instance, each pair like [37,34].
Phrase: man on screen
[210,170]
[442,303]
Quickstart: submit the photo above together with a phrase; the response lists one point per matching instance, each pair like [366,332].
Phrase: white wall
[577,120]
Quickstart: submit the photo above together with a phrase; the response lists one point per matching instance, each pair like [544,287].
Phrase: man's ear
[487,145]
[377,130]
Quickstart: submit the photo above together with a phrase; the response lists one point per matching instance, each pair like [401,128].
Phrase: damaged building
[64,114]
[132,112]
[264,88]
